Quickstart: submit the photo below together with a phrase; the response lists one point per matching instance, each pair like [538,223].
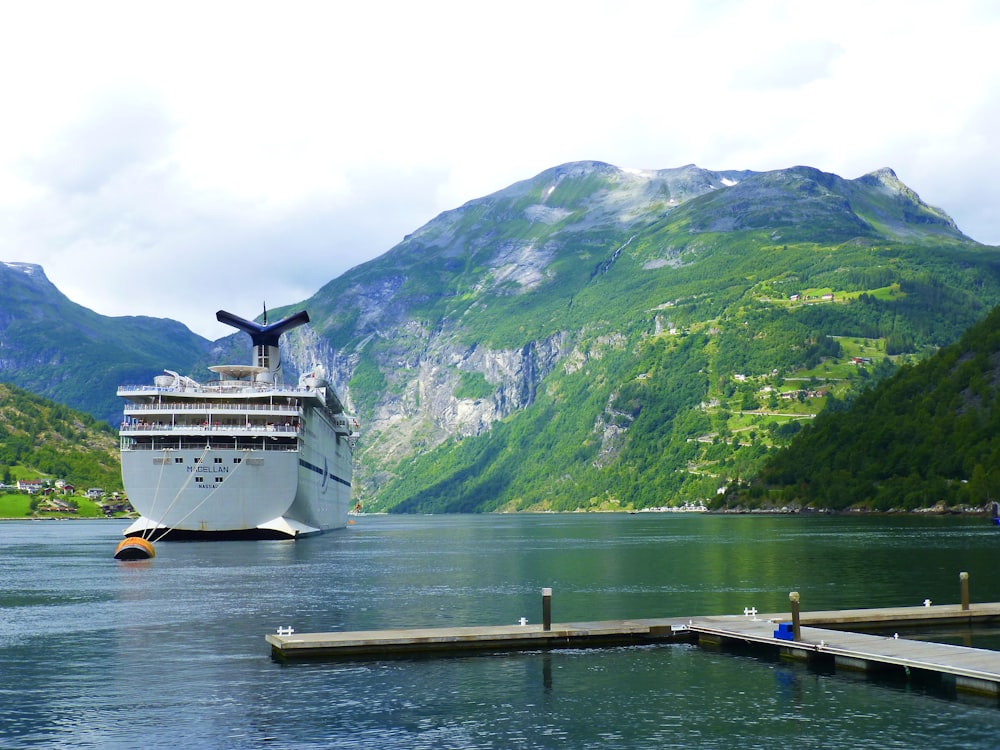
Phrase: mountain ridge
[590,322]
[59,349]
[542,249]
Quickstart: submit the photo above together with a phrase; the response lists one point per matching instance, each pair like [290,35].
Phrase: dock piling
[963,578]
[546,609]
[796,627]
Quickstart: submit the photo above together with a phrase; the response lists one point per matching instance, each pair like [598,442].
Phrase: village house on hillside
[55,505]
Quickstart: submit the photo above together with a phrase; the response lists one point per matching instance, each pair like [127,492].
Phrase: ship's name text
[208,469]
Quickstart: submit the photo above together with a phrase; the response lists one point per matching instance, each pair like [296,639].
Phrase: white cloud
[170,159]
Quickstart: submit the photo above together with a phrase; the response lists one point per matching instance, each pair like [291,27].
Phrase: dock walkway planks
[487,637]
[976,670]
[973,669]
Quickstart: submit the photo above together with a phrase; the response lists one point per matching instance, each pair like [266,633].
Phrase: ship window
[237,460]
[199,479]
[178,460]
[219,479]
[197,460]
[218,460]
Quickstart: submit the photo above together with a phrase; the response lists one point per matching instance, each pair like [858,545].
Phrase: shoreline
[934,511]
[65,518]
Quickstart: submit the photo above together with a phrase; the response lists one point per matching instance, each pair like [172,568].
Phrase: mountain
[43,439]
[602,338]
[59,349]
[929,435]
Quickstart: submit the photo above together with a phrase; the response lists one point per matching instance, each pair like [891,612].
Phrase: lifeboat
[134,548]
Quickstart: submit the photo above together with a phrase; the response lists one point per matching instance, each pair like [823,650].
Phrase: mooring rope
[204,500]
[176,497]
[156,493]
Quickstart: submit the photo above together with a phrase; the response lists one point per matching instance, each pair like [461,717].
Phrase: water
[170,652]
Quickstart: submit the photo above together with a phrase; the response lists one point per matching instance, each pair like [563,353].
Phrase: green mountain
[927,436]
[598,338]
[42,439]
[588,338]
[59,349]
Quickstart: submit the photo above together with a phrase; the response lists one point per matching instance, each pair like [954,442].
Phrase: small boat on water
[243,456]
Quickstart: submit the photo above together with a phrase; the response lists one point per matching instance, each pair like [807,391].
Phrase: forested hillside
[588,338]
[56,348]
[593,338]
[929,435]
[44,440]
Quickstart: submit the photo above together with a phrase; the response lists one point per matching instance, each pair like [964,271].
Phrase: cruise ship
[242,456]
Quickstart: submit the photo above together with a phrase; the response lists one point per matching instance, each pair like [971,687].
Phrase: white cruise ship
[240,457]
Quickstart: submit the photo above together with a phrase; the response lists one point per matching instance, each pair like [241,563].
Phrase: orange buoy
[134,548]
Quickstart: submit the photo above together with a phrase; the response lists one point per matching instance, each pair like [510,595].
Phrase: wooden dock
[826,637]
[973,670]
[480,638]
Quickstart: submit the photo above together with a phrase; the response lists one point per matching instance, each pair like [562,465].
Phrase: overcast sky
[174,158]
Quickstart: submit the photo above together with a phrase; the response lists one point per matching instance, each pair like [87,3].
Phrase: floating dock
[827,637]
[966,669]
[285,645]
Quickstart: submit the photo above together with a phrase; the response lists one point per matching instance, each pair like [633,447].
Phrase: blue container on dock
[784,632]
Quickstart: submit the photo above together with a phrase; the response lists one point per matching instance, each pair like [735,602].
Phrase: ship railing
[141,427]
[223,386]
[212,406]
[174,443]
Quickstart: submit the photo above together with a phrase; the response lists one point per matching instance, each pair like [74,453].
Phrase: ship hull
[266,493]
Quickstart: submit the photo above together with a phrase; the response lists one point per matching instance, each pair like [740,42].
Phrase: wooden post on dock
[963,577]
[794,598]
[546,609]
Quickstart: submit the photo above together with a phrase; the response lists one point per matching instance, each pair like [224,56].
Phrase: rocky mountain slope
[460,347]
[59,349]
[594,337]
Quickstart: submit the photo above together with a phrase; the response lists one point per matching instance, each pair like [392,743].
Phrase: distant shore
[934,511]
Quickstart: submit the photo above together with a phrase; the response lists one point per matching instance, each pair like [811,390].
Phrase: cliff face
[584,336]
[422,403]
[466,321]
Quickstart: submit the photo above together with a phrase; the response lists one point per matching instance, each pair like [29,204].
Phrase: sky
[176,158]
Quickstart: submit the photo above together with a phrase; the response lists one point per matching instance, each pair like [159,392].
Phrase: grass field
[17,505]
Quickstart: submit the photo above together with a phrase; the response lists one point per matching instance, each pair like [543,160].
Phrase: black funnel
[267,334]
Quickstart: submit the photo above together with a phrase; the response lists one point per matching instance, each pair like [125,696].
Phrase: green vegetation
[929,435]
[648,340]
[369,381]
[473,385]
[688,413]
[15,506]
[20,505]
[695,346]
[58,349]
[43,440]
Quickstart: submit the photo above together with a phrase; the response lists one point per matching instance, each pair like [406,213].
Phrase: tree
[981,489]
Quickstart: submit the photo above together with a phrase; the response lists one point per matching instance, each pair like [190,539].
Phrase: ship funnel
[265,337]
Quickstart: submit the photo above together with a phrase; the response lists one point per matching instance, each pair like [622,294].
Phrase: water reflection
[95,652]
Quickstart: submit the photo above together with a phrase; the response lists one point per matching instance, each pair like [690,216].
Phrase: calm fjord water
[170,652]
